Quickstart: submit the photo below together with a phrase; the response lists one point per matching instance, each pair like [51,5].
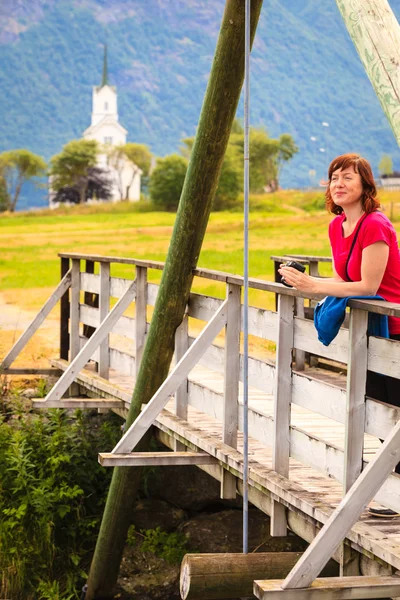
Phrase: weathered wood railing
[351,347]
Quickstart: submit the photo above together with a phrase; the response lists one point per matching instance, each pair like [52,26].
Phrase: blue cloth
[330,312]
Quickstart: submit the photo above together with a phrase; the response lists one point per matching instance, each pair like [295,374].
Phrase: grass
[285,222]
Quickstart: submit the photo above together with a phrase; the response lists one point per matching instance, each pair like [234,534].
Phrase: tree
[138,155]
[17,167]
[386,165]
[267,155]
[71,167]
[216,118]
[99,186]
[230,181]
[166,181]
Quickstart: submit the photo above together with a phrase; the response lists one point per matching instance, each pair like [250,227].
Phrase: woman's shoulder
[378,218]
[336,223]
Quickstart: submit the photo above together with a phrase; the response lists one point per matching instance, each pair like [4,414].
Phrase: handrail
[377,306]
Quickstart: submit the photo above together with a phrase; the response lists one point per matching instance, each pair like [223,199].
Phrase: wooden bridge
[311,429]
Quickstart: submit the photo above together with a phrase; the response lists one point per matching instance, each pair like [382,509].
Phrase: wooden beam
[91,345]
[140,314]
[230,417]
[346,514]
[376,35]
[155,459]
[77,403]
[331,588]
[282,403]
[104,308]
[181,394]
[30,371]
[147,417]
[355,398]
[37,321]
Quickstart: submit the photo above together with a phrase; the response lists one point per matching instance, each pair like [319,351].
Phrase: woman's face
[346,187]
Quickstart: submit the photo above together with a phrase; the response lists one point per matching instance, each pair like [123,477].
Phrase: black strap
[352,246]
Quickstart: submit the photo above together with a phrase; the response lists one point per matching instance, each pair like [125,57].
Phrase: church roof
[106,120]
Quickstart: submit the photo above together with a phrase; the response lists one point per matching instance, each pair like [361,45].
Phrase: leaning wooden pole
[376,35]
[217,114]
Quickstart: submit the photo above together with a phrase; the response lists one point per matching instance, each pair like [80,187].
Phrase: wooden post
[282,404]
[213,131]
[104,359]
[74,319]
[376,35]
[231,384]
[64,314]
[355,397]
[181,394]
[140,314]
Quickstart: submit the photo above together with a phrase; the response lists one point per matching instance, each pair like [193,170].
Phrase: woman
[366,257]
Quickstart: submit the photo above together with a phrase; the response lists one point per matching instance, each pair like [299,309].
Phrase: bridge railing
[278,379]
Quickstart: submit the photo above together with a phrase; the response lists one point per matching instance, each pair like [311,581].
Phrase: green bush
[51,498]
[172,547]
[166,182]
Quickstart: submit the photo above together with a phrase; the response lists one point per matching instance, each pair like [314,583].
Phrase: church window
[108,140]
[105,106]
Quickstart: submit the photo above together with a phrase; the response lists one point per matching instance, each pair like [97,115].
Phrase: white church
[107,131]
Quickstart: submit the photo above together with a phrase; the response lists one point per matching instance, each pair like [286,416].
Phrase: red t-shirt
[375,227]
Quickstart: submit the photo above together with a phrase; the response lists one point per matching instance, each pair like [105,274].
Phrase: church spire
[105,70]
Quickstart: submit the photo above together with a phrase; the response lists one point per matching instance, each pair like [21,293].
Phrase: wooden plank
[75,403]
[30,372]
[330,588]
[64,314]
[104,301]
[384,356]
[155,459]
[355,398]
[118,286]
[305,338]
[346,514]
[89,298]
[84,355]
[231,383]
[20,344]
[170,385]
[282,401]
[181,394]
[90,283]
[140,314]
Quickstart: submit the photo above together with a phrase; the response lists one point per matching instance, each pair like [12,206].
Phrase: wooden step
[87,403]
[156,459]
[330,588]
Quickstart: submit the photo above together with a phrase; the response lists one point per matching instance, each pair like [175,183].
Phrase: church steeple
[105,69]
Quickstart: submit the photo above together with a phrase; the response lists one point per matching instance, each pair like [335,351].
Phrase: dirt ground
[13,322]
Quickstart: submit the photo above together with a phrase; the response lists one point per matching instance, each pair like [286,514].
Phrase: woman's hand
[298,280]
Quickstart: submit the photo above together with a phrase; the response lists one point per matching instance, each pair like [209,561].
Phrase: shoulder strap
[352,246]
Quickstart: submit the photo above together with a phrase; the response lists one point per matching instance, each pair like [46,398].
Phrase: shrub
[166,182]
[51,498]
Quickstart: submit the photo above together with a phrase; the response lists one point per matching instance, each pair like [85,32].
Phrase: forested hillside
[305,72]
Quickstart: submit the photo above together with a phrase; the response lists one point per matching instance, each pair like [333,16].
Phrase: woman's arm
[373,265]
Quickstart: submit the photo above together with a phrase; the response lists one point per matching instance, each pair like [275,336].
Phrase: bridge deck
[306,492]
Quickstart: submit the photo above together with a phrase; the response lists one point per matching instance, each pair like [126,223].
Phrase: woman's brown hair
[360,165]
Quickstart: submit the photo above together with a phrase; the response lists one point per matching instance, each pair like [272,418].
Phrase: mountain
[304,72]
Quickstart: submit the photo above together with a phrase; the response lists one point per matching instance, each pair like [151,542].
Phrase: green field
[29,242]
